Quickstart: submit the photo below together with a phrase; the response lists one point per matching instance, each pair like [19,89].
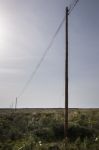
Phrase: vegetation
[43,129]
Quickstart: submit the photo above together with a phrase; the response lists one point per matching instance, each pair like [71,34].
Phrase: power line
[72,6]
[42,58]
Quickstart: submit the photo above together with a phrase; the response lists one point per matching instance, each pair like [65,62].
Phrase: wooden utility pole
[16,104]
[66,79]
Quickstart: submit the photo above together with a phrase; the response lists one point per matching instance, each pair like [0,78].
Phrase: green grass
[43,129]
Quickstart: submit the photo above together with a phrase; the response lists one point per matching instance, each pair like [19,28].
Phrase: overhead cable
[72,6]
[41,59]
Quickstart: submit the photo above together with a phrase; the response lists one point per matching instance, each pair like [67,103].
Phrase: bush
[78,131]
[58,130]
[45,134]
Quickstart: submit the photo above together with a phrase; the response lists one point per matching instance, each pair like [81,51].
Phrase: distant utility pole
[66,78]
[16,104]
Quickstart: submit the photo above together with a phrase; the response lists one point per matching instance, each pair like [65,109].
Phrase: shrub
[78,131]
[44,134]
[58,130]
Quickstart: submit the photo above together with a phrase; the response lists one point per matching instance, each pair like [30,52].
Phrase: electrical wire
[42,59]
[72,6]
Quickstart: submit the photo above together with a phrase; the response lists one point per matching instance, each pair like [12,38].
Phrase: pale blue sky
[26,28]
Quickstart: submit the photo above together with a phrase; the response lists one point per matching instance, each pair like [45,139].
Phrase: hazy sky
[26,28]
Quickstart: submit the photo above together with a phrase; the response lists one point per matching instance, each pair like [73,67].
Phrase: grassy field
[43,129]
